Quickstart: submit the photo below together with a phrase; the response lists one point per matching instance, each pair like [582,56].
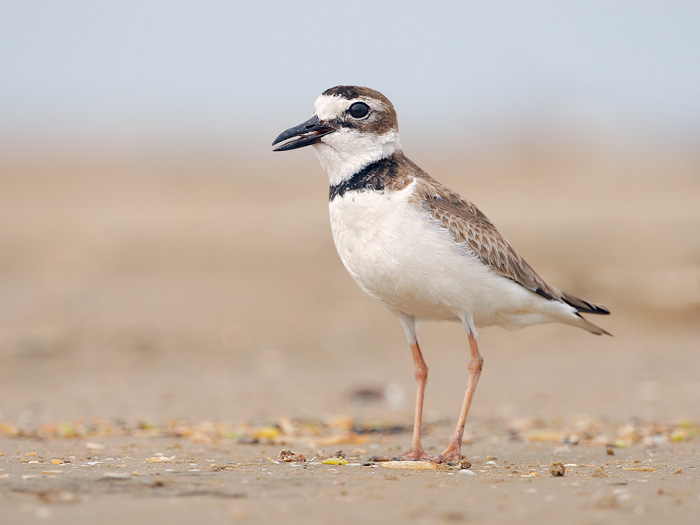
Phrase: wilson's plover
[417,247]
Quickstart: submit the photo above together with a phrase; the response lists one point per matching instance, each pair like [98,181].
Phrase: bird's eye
[359,110]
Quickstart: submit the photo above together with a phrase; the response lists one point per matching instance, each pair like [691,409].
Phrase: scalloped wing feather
[468,225]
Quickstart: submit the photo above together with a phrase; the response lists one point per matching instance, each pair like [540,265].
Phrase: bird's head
[351,127]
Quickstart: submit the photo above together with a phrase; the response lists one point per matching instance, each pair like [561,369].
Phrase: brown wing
[470,226]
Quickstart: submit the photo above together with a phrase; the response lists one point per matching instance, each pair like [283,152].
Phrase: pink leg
[421,375]
[453,452]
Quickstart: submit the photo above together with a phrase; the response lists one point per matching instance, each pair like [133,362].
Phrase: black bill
[306,133]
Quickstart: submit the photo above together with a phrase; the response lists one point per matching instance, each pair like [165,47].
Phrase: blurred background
[157,260]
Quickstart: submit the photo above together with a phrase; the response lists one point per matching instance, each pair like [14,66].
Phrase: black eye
[359,110]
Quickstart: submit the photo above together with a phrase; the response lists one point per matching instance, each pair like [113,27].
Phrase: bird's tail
[583,306]
[587,325]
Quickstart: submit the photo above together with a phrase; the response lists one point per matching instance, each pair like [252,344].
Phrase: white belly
[407,262]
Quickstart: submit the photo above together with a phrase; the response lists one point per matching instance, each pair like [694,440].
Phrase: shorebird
[416,246]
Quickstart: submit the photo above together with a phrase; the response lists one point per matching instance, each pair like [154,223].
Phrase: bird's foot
[416,454]
[452,455]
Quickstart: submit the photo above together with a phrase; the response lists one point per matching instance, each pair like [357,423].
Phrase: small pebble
[161,459]
[116,475]
[467,472]
[656,440]
[599,472]
[557,469]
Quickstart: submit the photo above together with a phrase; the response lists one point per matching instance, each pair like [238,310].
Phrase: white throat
[345,152]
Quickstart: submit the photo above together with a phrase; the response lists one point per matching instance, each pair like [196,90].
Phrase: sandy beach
[169,327]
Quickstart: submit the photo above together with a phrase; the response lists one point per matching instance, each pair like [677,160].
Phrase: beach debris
[599,472]
[410,465]
[557,469]
[287,456]
[335,461]
[160,459]
[116,475]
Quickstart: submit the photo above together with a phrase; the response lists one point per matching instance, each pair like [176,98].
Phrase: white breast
[406,261]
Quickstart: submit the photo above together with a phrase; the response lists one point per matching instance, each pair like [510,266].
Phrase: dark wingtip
[600,309]
[584,306]
[592,308]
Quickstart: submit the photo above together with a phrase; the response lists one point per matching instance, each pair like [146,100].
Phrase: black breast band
[371,177]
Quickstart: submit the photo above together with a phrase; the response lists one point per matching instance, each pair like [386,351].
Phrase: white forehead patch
[328,107]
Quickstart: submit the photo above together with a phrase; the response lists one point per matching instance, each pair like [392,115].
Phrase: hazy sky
[96,68]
